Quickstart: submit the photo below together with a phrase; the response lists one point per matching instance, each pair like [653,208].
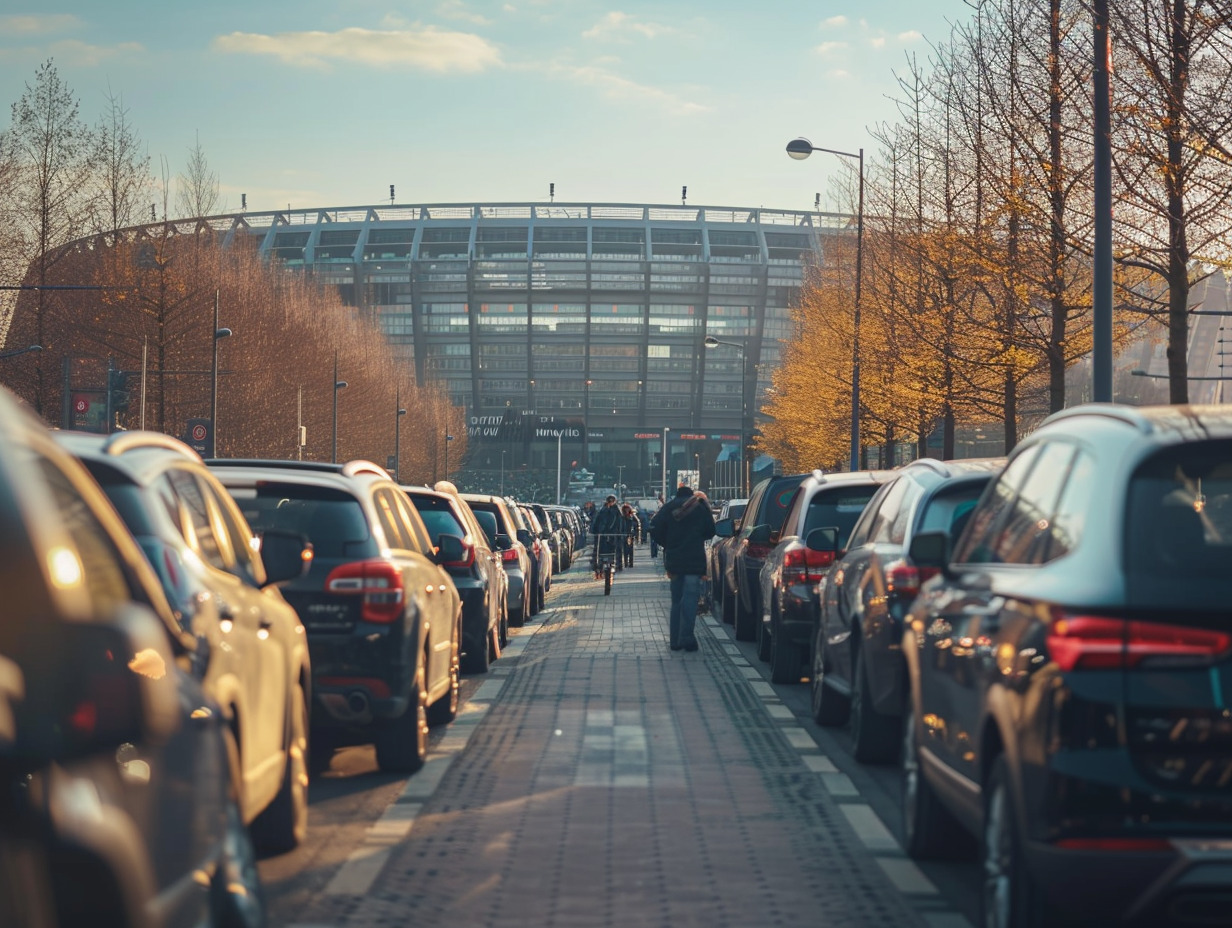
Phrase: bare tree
[196,191]
[121,182]
[51,146]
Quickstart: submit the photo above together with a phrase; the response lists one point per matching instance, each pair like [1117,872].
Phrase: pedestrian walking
[682,527]
[633,530]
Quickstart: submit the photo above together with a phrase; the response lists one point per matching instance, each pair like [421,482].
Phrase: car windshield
[837,507]
[332,519]
[778,498]
[1178,528]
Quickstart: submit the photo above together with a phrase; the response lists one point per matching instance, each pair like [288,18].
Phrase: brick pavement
[602,780]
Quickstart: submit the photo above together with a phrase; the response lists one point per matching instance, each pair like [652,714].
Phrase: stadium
[574,332]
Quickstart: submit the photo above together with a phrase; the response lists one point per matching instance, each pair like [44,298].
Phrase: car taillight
[1115,844]
[467,558]
[903,579]
[803,565]
[509,555]
[536,550]
[760,552]
[1079,642]
[378,581]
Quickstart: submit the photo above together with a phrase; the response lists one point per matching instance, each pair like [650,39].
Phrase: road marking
[799,739]
[839,784]
[818,764]
[763,689]
[869,828]
[906,876]
[780,712]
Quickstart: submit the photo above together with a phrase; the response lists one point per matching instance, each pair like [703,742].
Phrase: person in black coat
[608,526]
[683,526]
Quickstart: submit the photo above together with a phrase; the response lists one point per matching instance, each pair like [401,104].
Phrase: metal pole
[855,337]
[299,423]
[333,455]
[743,412]
[214,383]
[664,462]
[1102,284]
[559,434]
[502,489]
[145,354]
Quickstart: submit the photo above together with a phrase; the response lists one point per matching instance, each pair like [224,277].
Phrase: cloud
[909,36]
[840,74]
[877,41]
[834,22]
[826,48]
[426,48]
[621,89]
[617,25]
[70,51]
[32,24]
[456,9]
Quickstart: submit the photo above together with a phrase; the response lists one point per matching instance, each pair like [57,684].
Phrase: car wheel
[875,737]
[479,655]
[727,609]
[930,830]
[445,709]
[236,897]
[517,618]
[1010,898]
[745,621]
[284,823]
[539,597]
[829,707]
[784,657]
[402,743]
[763,640]
[503,634]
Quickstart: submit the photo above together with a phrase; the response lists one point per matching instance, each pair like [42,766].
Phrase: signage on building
[691,436]
[647,434]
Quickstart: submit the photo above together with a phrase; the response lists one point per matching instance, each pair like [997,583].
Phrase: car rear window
[778,497]
[950,509]
[1179,528]
[332,519]
[440,522]
[838,507]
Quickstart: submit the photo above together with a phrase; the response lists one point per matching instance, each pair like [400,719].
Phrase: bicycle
[607,549]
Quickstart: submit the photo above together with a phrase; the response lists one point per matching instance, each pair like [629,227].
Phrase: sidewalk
[600,780]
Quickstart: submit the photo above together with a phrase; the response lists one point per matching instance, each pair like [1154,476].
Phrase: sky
[325,104]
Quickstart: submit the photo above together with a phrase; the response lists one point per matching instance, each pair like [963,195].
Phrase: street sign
[200,437]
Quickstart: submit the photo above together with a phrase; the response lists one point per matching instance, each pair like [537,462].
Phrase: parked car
[206,556]
[552,534]
[503,533]
[383,618]
[718,550]
[759,533]
[556,518]
[791,571]
[1069,671]
[539,546]
[120,785]
[857,667]
[478,575]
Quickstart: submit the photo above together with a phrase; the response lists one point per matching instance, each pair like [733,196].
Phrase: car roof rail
[360,466]
[319,466]
[1118,412]
[120,442]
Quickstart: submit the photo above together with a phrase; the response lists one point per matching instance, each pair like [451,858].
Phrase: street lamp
[800,149]
[16,351]
[711,342]
[559,434]
[448,439]
[219,334]
[338,385]
[398,435]
[502,490]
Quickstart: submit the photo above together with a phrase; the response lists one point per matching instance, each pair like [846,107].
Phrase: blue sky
[328,103]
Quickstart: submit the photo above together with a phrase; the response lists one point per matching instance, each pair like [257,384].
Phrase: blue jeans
[685,590]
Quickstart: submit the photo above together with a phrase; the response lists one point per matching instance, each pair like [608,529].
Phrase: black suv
[203,551]
[759,533]
[857,668]
[793,568]
[119,775]
[384,619]
[477,574]
[1071,674]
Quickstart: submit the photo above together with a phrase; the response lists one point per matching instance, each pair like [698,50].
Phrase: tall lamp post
[711,342]
[219,334]
[448,439]
[559,435]
[338,385]
[398,435]
[663,493]
[502,490]
[800,149]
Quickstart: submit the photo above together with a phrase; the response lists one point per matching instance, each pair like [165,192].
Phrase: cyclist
[608,524]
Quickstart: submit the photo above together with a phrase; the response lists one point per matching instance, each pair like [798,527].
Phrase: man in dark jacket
[684,524]
[608,528]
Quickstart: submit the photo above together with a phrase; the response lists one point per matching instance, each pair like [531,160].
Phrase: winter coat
[688,523]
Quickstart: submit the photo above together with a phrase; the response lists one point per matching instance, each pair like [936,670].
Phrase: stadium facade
[574,329]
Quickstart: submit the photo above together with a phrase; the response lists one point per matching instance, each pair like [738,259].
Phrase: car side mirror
[287,555]
[449,549]
[930,549]
[759,534]
[725,528]
[525,537]
[823,539]
[83,688]
[503,542]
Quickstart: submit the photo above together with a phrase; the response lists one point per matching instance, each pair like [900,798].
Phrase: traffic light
[118,390]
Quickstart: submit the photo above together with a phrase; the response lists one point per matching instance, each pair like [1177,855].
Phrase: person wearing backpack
[682,527]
